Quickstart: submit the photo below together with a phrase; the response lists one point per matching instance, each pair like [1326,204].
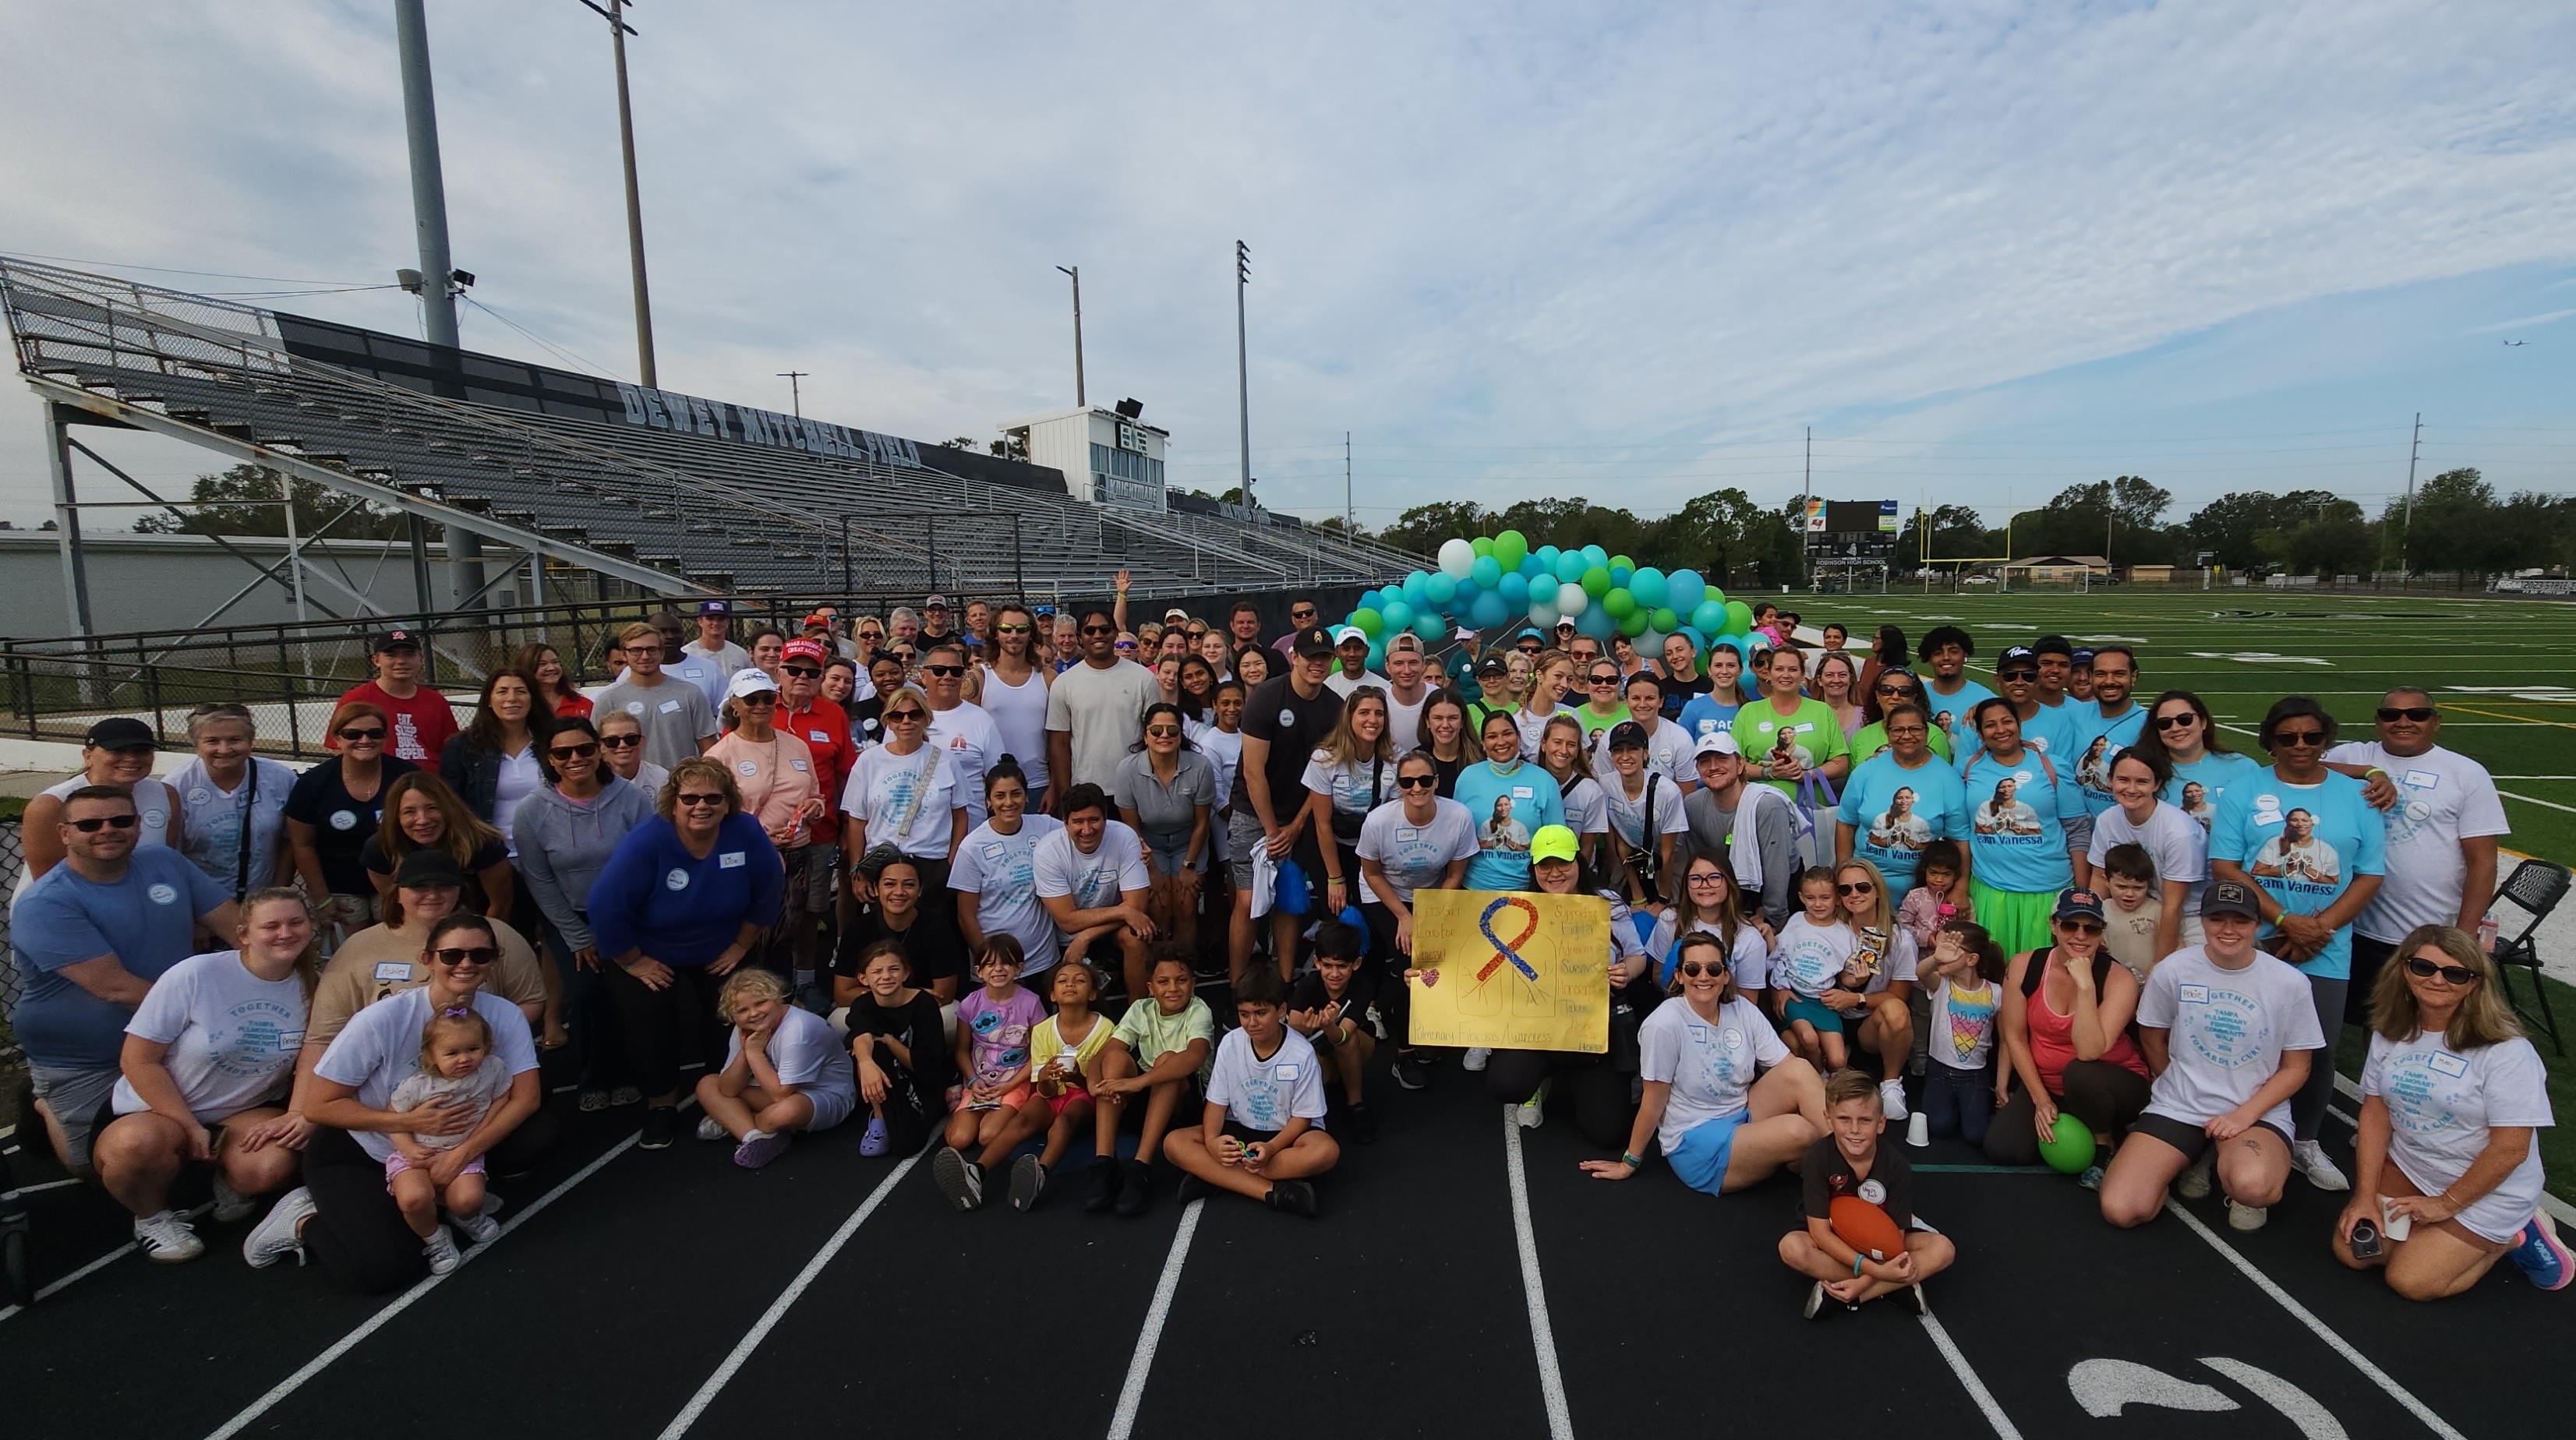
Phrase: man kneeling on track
[1262,1133]
[1861,1240]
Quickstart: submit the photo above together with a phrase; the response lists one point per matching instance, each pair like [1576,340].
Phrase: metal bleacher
[559,464]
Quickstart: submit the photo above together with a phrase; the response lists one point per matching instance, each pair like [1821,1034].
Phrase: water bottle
[2488,929]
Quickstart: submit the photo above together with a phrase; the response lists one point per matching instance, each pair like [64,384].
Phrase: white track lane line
[402,1302]
[1551,1379]
[1968,1379]
[2321,1329]
[1140,1364]
[786,1301]
[93,1267]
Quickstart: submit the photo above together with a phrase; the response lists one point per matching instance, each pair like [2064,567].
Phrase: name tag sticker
[669,707]
[1406,832]
[2422,780]
[1286,1073]
[2446,1063]
[1699,1034]
[817,736]
[2195,994]
[394,970]
[795,764]
[1522,792]
[2266,817]
[730,860]
[289,1041]
[997,850]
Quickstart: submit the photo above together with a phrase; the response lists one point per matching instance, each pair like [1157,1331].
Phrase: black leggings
[664,1028]
[1602,1114]
[357,1233]
[1394,999]
[2107,1097]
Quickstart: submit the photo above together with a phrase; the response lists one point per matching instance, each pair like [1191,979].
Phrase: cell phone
[2365,1240]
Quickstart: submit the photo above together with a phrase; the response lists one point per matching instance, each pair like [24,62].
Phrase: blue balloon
[1416,585]
[1650,587]
[1620,575]
[1597,622]
[1709,616]
[1532,567]
[1377,654]
[1495,606]
[1515,592]
[1439,588]
[1570,566]
[1683,590]
[1597,556]
[1486,571]
[1398,614]
[1430,626]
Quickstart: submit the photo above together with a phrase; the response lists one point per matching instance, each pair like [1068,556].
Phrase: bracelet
[1633,1162]
[2374,770]
[1855,1265]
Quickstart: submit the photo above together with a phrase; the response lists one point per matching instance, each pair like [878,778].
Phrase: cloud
[2527,322]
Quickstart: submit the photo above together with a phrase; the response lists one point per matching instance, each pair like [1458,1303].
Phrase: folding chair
[2535,887]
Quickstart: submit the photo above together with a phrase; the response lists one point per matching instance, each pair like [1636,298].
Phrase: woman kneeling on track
[784,1071]
[2448,1169]
[1721,1128]
[2066,1014]
[207,1056]
[2230,1032]
[1849,1168]
[343,1215]
[1262,1131]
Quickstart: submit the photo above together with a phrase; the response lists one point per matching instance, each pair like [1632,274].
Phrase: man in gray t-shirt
[1710,813]
[1096,710]
[676,718]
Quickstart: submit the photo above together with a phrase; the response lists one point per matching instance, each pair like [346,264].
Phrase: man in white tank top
[1015,696]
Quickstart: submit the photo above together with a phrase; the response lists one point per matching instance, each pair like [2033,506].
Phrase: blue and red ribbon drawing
[1503,949]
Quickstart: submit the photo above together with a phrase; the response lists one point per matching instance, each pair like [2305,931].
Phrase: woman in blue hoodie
[682,900]
[564,833]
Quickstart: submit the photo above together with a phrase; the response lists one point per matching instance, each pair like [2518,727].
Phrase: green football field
[2501,670]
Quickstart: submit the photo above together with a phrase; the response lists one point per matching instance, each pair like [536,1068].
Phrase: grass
[2558,1142]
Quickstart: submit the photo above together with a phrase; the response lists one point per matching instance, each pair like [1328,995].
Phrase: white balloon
[1571,600]
[1542,613]
[1457,559]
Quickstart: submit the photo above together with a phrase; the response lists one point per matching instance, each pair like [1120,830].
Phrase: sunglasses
[1417,782]
[1165,732]
[1130,645]
[2008,676]
[804,672]
[2423,969]
[901,717]
[2080,927]
[1894,689]
[1011,629]
[759,697]
[2176,722]
[944,672]
[1099,629]
[573,752]
[2298,737]
[621,742]
[357,734]
[1856,887]
[699,800]
[478,955]
[1713,969]
[96,823]
[1529,649]
[2417,713]
[1301,614]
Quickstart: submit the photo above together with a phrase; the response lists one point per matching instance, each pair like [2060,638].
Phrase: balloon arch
[1500,583]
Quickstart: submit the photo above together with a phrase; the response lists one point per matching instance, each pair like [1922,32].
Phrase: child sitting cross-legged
[901,1046]
[993,1028]
[1261,1133]
[784,1071]
[1151,1072]
[1852,1163]
[1061,1050]
[1329,1006]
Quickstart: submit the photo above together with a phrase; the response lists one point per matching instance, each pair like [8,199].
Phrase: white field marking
[402,1302]
[1551,1379]
[41,1186]
[93,1267]
[2314,1420]
[2319,1328]
[1976,1388]
[2529,800]
[787,1298]
[1140,1364]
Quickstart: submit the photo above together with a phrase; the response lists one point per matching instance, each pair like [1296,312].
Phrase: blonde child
[1962,973]
[1807,964]
[1062,1051]
[993,1029]
[1937,896]
[457,1070]
[784,1071]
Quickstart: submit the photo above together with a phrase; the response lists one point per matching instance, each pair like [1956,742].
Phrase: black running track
[670,1293]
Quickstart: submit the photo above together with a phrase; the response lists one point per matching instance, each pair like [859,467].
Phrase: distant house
[2057,569]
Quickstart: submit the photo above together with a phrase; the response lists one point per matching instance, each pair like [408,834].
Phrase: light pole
[1242,376]
[440,280]
[618,30]
[1079,396]
[795,394]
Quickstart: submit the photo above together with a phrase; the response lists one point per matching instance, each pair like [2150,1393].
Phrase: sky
[1980,251]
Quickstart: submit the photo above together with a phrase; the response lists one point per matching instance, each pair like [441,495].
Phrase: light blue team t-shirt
[147,920]
[1706,716]
[2049,732]
[2017,818]
[2093,767]
[2303,844]
[1894,812]
[2213,772]
[1950,712]
[1508,809]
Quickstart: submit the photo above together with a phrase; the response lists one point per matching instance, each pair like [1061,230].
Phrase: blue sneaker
[2540,1255]
[873,1141]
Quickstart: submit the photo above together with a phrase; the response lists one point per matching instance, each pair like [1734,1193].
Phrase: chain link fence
[13,1066]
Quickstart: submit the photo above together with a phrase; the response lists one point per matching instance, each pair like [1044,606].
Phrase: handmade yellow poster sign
[1517,971]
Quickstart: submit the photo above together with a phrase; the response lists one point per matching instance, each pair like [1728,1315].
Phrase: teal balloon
[1698,639]
[1367,619]
[1416,585]
[1632,624]
[1532,567]
[1430,626]
[1515,590]
[1664,618]
[1439,588]
[1597,556]
[1547,556]
[1377,655]
[1684,590]
[1510,548]
[1398,614]
[1488,572]
[1570,567]
[1482,545]
[1739,617]
[1494,607]
[1595,581]
[1650,587]
[1709,617]
[1620,575]
[1619,603]
[1595,622]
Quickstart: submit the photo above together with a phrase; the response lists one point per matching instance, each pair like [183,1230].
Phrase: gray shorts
[822,874]
[77,1096]
[1242,837]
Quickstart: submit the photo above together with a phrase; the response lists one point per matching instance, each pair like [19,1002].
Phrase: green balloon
[1511,548]
[1739,618]
[1596,581]
[1633,624]
[1622,562]
[1664,621]
[1367,620]
[1482,545]
[1620,604]
[1714,594]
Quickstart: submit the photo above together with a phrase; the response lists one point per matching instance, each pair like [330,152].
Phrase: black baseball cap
[398,638]
[1627,735]
[2072,904]
[425,869]
[714,607]
[2018,654]
[1492,665]
[1314,641]
[2230,897]
[121,732]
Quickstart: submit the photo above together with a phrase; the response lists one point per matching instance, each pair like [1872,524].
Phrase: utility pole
[1242,375]
[1079,396]
[795,393]
[1350,519]
[2406,550]
[618,30]
[1806,502]
[438,282]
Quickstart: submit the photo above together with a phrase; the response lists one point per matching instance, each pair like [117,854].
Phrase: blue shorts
[1826,1019]
[1700,1160]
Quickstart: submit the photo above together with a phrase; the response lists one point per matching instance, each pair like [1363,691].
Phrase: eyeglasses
[1605,679]
[1099,629]
[574,752]
[902,717]
[1163,732]
[1856,887]
[1707,877]
[637,649]
[697,801]
[804,672]
[1417,782]
[1713,969]
[358,734]
[2417,713]
[2298,737]
[2176,722]
[2423,969]
[943,672]
[621,742]
[478,955]
[95,823]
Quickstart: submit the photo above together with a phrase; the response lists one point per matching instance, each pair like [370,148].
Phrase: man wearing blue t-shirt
[1948,692]
[2105,727]
[91,935]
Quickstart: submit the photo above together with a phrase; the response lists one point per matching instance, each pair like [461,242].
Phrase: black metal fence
[13,857]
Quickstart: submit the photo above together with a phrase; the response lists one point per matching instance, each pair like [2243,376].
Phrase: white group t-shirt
[380,1048]
[973,743]
[1587,808]
[2443,797]
[1415,857]
[475,1092]
[809,1054]
[1263,1094]
[1094,880]
[1668,752]
[1350,786]
[2441,1105]
[2228,1030]
[1710,1065]
[1627,818]
[213,820]
[1808,958]
[1342,685]
[2178,842]
[906,799]
[1000,871]
[232,1035]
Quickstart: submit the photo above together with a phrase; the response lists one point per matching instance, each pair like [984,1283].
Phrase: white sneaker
[168,1238]
[2246,1217]
[1532,1113]
[1475,1059]
[2193,1182]
[480,1227]
[277,1236]
[440,1247]
[2321,1172]
[711,1128]
[231,1206]
[1891,1093]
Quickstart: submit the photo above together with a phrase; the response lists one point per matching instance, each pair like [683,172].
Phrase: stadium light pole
[1242,375]
[1080,397]
[618,30]
[438,276]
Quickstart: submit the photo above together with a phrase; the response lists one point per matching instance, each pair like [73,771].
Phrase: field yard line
[786,1301]
[1967,1373]
[1140,1365]
[402,1302]
[2321,1329]
[93,1267]
[2450,704]
[2530,800]
[1551,1379]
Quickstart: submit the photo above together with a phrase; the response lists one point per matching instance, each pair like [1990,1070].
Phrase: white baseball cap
[750,681]
[1716,742]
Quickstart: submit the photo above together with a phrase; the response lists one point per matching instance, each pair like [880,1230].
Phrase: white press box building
[1108,456]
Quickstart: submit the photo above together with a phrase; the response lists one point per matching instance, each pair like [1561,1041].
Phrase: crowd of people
[955,877]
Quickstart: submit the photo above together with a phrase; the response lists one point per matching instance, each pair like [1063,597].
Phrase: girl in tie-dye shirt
[1959,977]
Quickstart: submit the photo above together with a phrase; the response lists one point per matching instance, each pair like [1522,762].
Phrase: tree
[230,504]
[962,442]
[1422,528]
[1714,534]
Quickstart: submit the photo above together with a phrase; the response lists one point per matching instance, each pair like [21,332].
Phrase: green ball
[2070,1150]
[1595,581]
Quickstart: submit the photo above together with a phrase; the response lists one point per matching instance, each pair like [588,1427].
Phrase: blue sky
[1630,251]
